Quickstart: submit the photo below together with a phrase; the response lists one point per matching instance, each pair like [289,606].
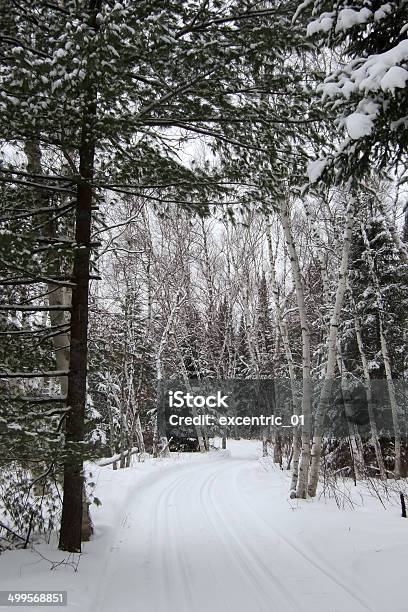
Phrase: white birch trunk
[301,489]
[139,436]
[264,445]
[57,295]
[111,433]
[331,354]
[284,333]
[159,371]
[122,437]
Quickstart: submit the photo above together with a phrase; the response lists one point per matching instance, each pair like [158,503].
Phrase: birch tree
[283,330]
[302,480]
[331,353]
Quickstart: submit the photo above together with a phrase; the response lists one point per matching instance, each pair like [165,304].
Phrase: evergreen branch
[26,332]
[38,211]
[11,40]
[17,535]
[4,282]
[223,20]
[35,277]
[38,374]
[39,400]
[36,185]
[44,177]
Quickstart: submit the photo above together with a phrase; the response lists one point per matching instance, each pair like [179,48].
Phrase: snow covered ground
[218,533]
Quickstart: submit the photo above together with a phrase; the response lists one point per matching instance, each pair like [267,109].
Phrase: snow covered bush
[29,503]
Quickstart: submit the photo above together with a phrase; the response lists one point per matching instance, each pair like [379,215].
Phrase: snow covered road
[201,537]
[218,533]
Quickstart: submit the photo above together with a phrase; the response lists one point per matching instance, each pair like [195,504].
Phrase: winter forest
[203,192]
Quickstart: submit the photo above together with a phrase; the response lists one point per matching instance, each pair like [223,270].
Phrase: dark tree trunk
[70,535]
[72,507]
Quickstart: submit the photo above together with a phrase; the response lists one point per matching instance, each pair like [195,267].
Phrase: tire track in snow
[160,597]
[237,560]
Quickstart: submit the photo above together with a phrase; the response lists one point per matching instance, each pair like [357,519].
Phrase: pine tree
[393,281]
[102,84]
[368,93]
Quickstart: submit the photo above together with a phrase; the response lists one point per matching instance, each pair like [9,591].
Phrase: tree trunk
[139,436]
[393,401]
[331,354]
[283,330]
[301,489]
[264,446]
[71,520]
[136,426]
[156,440]
[277,448]
[87,526]
[59,296]
[122,437]
[179,299]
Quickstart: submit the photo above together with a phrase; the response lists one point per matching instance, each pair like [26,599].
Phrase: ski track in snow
[317,562]
[251,563]
[192,541]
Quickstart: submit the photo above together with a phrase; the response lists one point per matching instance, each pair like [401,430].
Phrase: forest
[201,192]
